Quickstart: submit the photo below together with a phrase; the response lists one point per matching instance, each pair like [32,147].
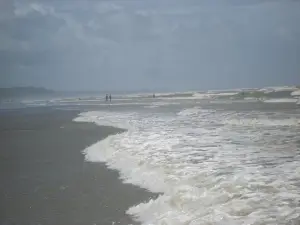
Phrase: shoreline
[45,178]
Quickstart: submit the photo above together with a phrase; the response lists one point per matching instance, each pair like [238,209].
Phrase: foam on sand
[209,169]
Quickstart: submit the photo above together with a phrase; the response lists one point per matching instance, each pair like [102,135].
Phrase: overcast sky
[149,44]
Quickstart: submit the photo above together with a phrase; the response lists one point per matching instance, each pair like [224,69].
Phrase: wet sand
[45,180]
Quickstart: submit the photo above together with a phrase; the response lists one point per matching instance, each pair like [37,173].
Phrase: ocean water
[213,160]
[217,162]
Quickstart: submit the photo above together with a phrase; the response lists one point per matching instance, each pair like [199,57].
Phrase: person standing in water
[110,97]
[106,97]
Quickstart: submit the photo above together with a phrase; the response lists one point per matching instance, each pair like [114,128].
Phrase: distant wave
[295,93]
[281,100]
[174,95]
[268,95]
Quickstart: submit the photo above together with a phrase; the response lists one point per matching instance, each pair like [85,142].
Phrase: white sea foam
[281,100]
[202,95]
[264,122]
[250,99]
[212,167]
[277,89]
[210,95]
[295,93]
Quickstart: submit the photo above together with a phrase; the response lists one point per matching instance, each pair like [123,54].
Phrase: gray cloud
[131,45]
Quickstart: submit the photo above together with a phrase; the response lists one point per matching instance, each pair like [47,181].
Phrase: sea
[227,157]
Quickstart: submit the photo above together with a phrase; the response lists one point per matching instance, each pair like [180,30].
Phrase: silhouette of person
[110,97]
[106,97]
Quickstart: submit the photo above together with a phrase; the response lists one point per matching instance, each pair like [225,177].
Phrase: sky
[149,44]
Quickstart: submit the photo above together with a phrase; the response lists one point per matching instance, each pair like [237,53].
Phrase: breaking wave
[212,167]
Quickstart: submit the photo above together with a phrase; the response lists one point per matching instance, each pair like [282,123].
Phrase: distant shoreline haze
[31,91]
[13,92]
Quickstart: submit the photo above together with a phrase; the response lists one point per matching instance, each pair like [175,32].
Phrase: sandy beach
[44,178]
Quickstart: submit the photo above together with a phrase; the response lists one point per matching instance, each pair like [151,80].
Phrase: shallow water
[214,163]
